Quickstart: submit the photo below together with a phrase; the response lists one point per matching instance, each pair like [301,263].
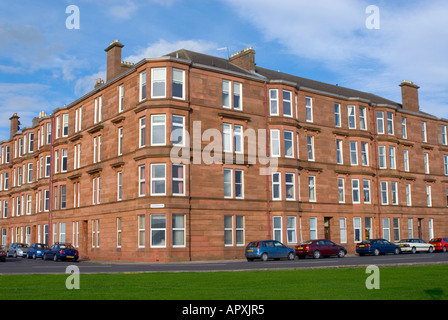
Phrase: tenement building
[189,157]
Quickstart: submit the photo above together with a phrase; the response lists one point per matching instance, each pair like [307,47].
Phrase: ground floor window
[234,230]
[313,228]
[277,228]
[343,230]
[178,229]
[291,229]
[158,230]
[386,229]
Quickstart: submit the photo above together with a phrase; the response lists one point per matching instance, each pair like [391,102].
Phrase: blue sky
[44,65]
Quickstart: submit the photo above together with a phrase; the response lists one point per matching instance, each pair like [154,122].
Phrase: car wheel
[44,256]
[341,254]
[431,249]
[34,256]
[316,254]
[264,257]
[14,255]
[376,252]
[55,258]
[291,256]
[397,251]
[413,250]
[444,249]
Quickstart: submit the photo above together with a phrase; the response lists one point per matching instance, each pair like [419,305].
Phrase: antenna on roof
[225,48]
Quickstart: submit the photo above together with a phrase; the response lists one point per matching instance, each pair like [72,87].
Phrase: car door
[322,247]
[332,248]
[50,252]
[282,250]
[388,247]
[272,251]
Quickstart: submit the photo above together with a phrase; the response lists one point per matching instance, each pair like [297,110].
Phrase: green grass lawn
[396,283]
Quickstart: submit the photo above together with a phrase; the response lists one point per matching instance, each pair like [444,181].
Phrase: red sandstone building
[100,174]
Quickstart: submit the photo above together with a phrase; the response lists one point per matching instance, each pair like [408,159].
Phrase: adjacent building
[190,156]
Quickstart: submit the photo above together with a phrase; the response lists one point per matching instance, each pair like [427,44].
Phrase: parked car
[36,250]
[61,251]
[18,250]
[319,248]
[440,244]
[2,255]
[376,247]
[415,245]
[268,249]
[4,248]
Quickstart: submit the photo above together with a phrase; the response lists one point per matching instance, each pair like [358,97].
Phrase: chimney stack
[113,60]
[409,96]
[244,59]
[14,124]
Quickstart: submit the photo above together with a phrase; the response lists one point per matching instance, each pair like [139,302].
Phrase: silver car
[415,245]
[18,250]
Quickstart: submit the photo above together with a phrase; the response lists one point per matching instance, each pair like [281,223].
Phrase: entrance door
[419,224]
[83,236]
[327,231]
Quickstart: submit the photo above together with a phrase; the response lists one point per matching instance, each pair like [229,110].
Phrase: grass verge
[396,283]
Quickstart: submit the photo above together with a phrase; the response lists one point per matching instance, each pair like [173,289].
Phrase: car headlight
[38,251]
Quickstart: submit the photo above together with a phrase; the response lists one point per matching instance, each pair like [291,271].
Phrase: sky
[45,63]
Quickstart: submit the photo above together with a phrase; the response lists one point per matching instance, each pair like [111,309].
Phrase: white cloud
[25,99]
[125,9]
[164,47]
[410,44]
[86,83]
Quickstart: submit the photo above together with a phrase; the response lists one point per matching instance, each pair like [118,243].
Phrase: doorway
[327,228]
[83,235]
[419,226]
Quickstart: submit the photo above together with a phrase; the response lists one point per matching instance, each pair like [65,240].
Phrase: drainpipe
[268,201]
[378,189]
[189,166]
[50,184]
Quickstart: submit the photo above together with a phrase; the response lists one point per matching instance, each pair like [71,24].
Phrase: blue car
[36,250]
[61,251]
[268,249]
[376,247]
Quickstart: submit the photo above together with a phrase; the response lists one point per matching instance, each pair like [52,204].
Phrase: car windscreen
[22,245]
[435,240]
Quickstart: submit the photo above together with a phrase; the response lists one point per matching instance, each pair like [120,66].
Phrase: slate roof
[271,75]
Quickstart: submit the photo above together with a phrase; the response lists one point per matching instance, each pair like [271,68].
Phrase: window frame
[155,81]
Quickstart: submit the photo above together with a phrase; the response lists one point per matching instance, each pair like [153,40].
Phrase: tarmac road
[29,266]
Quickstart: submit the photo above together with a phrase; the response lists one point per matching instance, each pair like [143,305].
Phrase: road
[29,266]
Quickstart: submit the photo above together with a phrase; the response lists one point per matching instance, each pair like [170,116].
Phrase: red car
[440,244]
[319,248]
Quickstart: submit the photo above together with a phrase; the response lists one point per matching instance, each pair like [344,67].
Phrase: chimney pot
[244,59]
[113,60]
[409,95]
[14,125]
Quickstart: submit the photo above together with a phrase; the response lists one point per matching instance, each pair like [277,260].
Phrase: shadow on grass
[435,294]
